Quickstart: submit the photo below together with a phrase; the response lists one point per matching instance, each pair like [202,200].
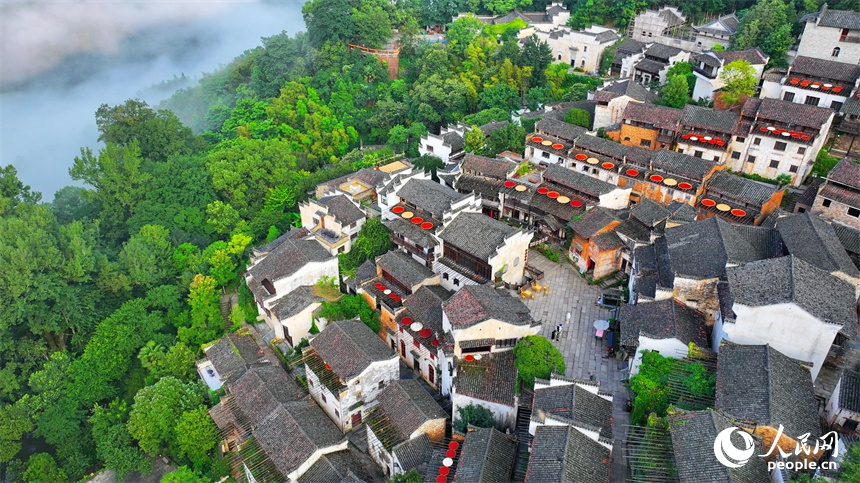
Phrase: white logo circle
[726,452]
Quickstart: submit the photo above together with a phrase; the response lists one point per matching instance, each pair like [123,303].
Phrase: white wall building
[709,65]
[579,48]
[831,35]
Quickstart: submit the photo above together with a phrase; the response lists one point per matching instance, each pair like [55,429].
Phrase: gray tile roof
[601,146]
[812,240]
[808,196]
[578,181]
[562,454]
[489,167]
[633,90]
[292,432]
[679,164]
[414,452]
[701,249]
[693,435]
[455,140]
[370,177]
[759,383]
[493,378]
[592,222]
[288,258]
[487,457]
[658,116]
[232,354]
[727,24]
[826,69]
[336,467]
[491,127]
[293,233]
[851,106]
[488,188]
[662,51]
[709,119]
[366,271]
[733,187]
[575,404]
[790,279]
[420,236]
[790,113]
[846,172]
[473,304]
[429,196]
[848,236]
[753,55]
[476,234]
[261,389]
[404,268]
[296,301]
[649,212]
[559,129]
[843,19]
[608,241]
[849,391]
[425,306]
[349,347]
[650,65]
[634,229]
[682,212]
[630,46]
[664,319]
[406,406]
[343,210]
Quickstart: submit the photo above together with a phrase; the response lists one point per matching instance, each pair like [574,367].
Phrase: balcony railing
[709,75]
[424,253]
[850,127]
[329,238]
[665,138]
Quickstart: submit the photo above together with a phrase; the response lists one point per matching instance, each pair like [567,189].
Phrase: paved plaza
[584,355]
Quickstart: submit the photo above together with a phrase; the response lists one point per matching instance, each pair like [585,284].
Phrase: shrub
[476,415]
[536,357]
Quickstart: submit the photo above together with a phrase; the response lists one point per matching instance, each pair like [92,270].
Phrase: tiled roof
[425,306]
[477,234]
[564,454]
[491,127]
[650,66]
[808,196]
[222,416]
[575,404]
[815,242]
[488,188]
[844,19]
[429,195]
[578,181]
[404,268]
[634,229]
[790,113]
[682,212]
[680,164]
[261,389]
[559,129]
[630,46]
[487,457]
[231,355]
[296,301]
[343,210]
[789,279]
[414,452]
[592,222]
[734,187]
[608,241]
[849,391]
[660,117]
[288,258]
[664,319]
[709,58]
[649,212]
[292,432]
[754,56]
[832,192]
[489,167]
[601,146]
[727,24]
[759,383]
[846,172]
[693,431]
[366,271]
[827,69]
[851,106]
[335,467]
[639,156]
[476,303]
[631,89]
[662,51]
[724,294]
[491,378]
[349,346]
[416,234]
[702,249]
[371,177]
[848,236]
[709,119]
[453,139]
[292,234]
[406,406]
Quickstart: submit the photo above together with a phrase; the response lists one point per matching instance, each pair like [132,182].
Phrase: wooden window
[801,150]
[854,212]
[774,163]
[323,397]
[826,203]
[756,141]
[788,96]
[793,169]
[779,146]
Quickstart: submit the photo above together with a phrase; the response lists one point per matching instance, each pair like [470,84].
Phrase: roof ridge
[770,381]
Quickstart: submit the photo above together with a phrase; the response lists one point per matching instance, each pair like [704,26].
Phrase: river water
[60,60]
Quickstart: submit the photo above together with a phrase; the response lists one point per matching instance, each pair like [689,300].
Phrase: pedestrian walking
[552,335]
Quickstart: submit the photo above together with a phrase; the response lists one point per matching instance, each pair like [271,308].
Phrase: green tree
[183,474]
[114,445]
[850,468]
[474,140]
[537,55]
[196,436]
[178,361]
[739,81]
[536,357]
[430,164]
[13,191]
[146,257]
[223,218]
[509,138]
[329,20]
[348,307]
[41,468]
[372,24]
[486,116]
[157,410]
[206,320]
[576,92]
[578,117]
[411,476]
[766,24]
[273,234]
[14,422]
[159,134]
[71,204]
[462,32]
[676,93]
[475,415]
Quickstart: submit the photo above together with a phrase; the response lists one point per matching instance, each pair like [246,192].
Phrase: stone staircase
[524,414]
[225,312]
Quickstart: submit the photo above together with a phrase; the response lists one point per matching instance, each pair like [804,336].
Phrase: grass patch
[501,28]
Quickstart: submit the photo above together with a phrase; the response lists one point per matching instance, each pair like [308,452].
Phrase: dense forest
[108,292]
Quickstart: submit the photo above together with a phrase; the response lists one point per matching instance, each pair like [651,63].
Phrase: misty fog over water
[60,60]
